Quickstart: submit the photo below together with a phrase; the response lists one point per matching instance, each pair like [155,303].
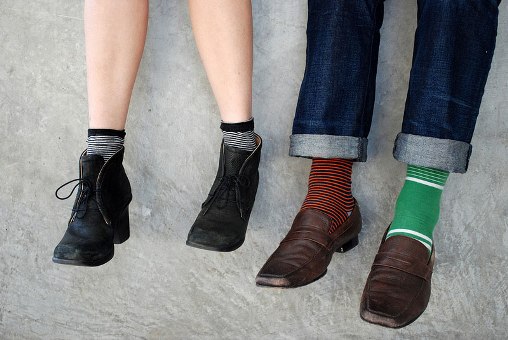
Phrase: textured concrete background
[156,287]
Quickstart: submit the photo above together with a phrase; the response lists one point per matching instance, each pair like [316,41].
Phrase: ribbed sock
[239,135]
[104,142]
[417,208]
[330,189]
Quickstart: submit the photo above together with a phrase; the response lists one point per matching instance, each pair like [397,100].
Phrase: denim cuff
[328,146]
[443,154]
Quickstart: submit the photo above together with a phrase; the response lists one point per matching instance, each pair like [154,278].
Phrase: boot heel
[348,245]
[121,230]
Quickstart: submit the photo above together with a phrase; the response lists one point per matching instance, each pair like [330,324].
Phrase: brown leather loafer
[306,251]
[398,287]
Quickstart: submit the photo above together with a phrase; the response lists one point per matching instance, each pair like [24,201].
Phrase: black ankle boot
[222,222]
[100,216]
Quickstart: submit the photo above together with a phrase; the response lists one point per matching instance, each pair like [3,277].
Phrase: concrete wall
[156,287]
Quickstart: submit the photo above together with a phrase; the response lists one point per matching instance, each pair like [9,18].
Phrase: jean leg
[454,45]
[336,100]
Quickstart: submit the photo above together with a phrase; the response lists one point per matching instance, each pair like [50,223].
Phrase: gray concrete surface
[156,287]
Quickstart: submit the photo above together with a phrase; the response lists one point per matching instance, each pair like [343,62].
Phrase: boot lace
[87,192]
[226,184]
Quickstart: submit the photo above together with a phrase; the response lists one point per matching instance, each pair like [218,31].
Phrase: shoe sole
[262,285]
[94,263]
[225,249]
[379,320]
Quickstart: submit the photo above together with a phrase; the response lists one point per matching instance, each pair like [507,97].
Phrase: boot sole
[228,248]
[94,263]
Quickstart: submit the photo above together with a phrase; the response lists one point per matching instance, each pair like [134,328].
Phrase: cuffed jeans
[454,45]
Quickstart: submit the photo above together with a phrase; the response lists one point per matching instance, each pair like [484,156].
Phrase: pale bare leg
[223,32]
[115,33]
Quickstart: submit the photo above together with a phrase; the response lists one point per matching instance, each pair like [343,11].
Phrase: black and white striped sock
[104,142]
[239,135]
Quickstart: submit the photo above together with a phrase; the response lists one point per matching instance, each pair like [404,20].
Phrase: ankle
[104,142]
[330,189]
[239,135]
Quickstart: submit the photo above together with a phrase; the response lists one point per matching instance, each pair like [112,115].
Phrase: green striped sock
[417,209]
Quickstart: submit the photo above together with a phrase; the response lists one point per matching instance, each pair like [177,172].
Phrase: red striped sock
[330,189]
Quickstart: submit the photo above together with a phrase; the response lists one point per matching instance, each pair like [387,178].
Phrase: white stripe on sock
[104,145]
[412,232]
[437,178]
[421,181]
[242,140]
[428,171]
[429,247]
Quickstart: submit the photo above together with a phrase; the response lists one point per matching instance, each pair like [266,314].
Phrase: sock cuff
[434,176]
[106,132]
[238,127]
[337,161]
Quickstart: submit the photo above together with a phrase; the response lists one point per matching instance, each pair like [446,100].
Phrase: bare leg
[115,34]
[223,32]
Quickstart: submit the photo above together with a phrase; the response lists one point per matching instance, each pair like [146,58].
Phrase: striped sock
[104,142]
[417,208]
[239,135]
[330,189]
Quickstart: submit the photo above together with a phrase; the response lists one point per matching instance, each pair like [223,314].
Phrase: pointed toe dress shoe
[398,287]
[304,254]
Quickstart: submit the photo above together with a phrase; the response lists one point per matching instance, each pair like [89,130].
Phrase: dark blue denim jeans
[454,45]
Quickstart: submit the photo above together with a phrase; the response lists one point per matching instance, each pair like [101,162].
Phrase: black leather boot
[222,222]
[100,216]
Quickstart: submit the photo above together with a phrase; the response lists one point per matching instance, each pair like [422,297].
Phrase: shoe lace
[87,192]
[225,185]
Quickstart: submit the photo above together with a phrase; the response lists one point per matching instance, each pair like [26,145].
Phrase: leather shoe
[222,223]
[100,215]
[398,287]
[304,254]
